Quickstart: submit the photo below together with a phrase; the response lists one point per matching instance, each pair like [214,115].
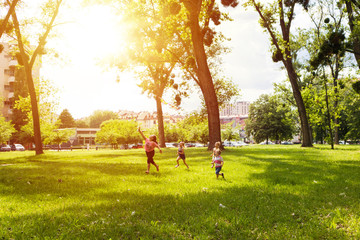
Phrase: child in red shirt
[150,145]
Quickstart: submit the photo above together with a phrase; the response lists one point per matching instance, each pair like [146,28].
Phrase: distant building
[236,113]
[7,80]
[240,108]
[8,67]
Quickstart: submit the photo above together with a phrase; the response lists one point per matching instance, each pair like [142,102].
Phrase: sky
[87,35]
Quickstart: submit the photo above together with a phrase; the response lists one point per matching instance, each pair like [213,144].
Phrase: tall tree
[283,13]
[66,119]
[200,14]
[330,52]
[117,132]
[270,119]
[100,116]
[353,12]
[27,60]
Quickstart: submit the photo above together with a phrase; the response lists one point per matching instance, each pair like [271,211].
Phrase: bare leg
[185,163]
[157,166]
[177,161]
[148,168]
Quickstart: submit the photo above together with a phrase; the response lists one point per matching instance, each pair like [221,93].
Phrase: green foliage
[351,114]
[356,87]
[229,133]
[6,130]
[270,119]
[66,119]
[333,45]
[79,123]
[47,108]
[19,116]
[117,132]
[100,116]
[194,128]
[58,136]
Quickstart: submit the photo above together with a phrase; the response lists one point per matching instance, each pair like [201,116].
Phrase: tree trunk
[35,109]
[356,42]
[160,119]
[205,79]
[336,117]
[305,128]
[328,114]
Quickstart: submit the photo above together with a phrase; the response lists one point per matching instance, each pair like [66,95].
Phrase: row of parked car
[14,147]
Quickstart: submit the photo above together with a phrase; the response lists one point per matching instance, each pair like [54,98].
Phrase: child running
[181,154]
[216,147]
[150,144]
[219,162]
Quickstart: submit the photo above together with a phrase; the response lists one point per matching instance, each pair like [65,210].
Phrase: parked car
[5,148]
[199,145]
[240,144]
[189,145]
[169,145]
[17,147]
[135,146]
[228,144]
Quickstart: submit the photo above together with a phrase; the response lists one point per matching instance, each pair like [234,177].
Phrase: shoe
[223,175]
[176,166]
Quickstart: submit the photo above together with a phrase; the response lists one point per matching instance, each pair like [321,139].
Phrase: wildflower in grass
[181,154]
[150,145]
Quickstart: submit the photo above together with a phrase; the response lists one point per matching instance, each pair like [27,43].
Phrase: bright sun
[97,33]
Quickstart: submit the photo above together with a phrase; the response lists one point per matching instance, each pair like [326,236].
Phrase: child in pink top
[150,145]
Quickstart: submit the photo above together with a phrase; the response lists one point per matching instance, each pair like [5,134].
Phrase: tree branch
[5,21]
[47,31]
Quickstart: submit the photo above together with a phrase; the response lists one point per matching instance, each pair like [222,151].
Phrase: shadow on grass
[244,213]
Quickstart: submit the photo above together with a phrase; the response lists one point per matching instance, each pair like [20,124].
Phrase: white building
[7,80]
[240,109]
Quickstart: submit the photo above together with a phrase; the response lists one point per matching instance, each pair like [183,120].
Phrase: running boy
[150,145]
[219,162]
[216,147]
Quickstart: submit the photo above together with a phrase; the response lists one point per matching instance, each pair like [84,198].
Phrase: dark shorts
[217,170]
[150,156]
[182,156]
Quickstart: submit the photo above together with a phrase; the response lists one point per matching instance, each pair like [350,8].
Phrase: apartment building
[240,108]
[235,113]
[8,67]
[7,80]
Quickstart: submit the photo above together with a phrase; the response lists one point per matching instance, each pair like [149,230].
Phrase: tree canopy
[66,119]
[270,119]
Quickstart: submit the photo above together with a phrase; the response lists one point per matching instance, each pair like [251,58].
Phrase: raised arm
[142,134]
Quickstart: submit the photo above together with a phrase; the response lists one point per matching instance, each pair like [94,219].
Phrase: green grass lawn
[269,192]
